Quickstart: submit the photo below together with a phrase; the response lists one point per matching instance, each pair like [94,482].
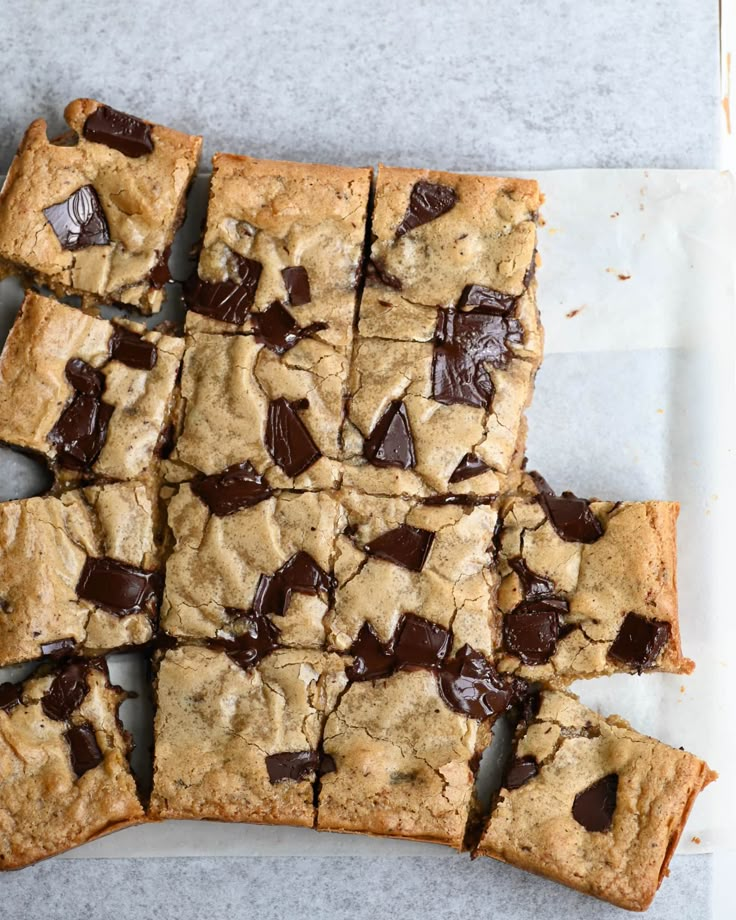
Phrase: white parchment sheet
[635,400]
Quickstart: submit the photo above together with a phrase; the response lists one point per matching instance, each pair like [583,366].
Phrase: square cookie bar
[237,735]
[593,804]
[587,587]
[94,212]
[77,572]
[64,773]
[92,396]
[449,338]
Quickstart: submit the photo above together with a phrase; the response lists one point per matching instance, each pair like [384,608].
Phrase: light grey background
[472,85]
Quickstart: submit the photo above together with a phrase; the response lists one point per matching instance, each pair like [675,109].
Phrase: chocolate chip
[531,630]
[404,545]
[160,274]
[259,638]
[288,440]
[427,201]
[131,349]
[469,684]
[236,487]
[371,658]
[84,750]
[81,430]
[59,647]
[11,696]
[391,442]
[532,585]
[296,282]
[520,771]
[67,692]
[79,221]
[479,299]
[298,575]
[277,329]
[228,301]
[376,273]
[120,588]
[464,343]
[125,133]
[421,643]
[594,808]
[291,765]
[640,641]
[570,516]
[471,465]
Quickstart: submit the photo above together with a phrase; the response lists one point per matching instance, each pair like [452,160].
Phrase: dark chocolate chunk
[469,684]
[404,545]
[595,806]
[371,658]
[427,201]
[464,343]
[391,442]
[120,588]
[84,750]
[58,648]
[67,692]
[532,585]
[296,282]
[125,133]
[326,764]
[131,349]
[228,301]
[238,486]
[479,299]
[375,272]
[85,379]
[288,440]
[160,274]
[10,696]
[277,329]
[520,771]
[471,465]
[259,639]
[570,516]
[640,641]
[81,430]
[300,574]
[421,643]
[531,630]
[289,765]
[79,221]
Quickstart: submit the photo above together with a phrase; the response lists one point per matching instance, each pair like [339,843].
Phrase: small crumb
[553,230]
[571,313]
[641,207]
[623,277]
[660,411]
[682,688]
[695,839]
[615,214]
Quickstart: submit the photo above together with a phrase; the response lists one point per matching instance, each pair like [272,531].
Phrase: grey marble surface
[474,85]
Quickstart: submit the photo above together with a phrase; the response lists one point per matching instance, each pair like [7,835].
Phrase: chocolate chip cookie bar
[449,337]
[254,719]
[587,587]
[78,572]
[94,213]
[591,803]
[64,773]
[93,397]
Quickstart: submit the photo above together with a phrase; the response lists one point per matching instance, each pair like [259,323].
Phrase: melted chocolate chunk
[640,641]
[469,684]
[532,629]
[421,643]
[471,465]
[59,647]
[391,442]
[520,771]
[570,516]
[81,431]
[288,440]
[594,808]
[131,349]
[376,273]
[404,545]
[532,585]
[160,274]
[84,750]
[371,658]
[291,765]
[258,640]
[427,201]
[10,696]
[228,301]
[277,329]
[67,692]
[236,487]
[296,282]
[120,588]
[125,133]
[479,299]
[300,575]
[79,221]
